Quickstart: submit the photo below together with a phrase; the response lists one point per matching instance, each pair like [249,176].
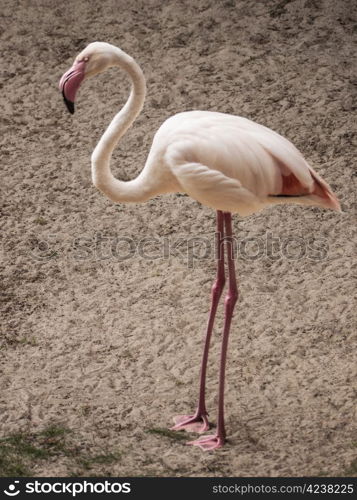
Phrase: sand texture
[102,333]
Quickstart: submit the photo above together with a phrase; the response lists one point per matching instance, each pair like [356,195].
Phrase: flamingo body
[232,164]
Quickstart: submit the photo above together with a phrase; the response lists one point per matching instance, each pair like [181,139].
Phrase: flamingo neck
[116,190]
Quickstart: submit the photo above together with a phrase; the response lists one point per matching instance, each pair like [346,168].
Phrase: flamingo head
[95,58]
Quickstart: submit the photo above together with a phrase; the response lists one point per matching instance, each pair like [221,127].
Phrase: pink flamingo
[226,162]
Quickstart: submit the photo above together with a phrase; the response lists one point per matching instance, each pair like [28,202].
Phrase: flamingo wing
[298,178]
[234,156]
[214,189]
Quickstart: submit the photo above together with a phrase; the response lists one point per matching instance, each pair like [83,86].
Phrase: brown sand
[111,348]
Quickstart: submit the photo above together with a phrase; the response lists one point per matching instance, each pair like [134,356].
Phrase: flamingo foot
[191,423]
[208,443]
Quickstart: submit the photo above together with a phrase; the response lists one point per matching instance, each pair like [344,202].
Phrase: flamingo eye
[86,59]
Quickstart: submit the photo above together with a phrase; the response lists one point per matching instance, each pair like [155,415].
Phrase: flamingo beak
[70,83]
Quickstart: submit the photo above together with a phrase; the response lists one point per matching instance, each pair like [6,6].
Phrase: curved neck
[102,177]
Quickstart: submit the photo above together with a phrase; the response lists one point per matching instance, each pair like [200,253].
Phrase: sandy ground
[108,342]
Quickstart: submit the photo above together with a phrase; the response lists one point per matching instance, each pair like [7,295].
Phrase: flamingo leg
[198,422]
[217,440]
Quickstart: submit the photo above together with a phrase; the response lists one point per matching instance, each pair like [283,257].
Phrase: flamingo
[226,162]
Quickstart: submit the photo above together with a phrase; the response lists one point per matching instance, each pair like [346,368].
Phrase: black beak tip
[69,104]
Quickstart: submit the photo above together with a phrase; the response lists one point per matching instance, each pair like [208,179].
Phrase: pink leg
[198,422]
[217,440]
